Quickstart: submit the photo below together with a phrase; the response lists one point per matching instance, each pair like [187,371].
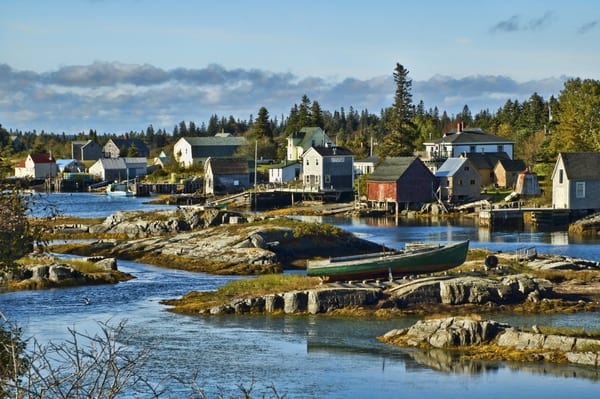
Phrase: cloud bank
[113,97]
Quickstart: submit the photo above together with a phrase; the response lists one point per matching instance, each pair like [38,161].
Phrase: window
[317,162]
[472,148]
[466,168]
[500,148]
[560,176]
[460,182]
[307,163]
[327,178]
[472,182]
[580,189]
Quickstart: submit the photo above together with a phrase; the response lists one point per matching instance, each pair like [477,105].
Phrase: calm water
[302,356]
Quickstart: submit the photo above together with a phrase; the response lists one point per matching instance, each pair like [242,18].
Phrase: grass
[195,301]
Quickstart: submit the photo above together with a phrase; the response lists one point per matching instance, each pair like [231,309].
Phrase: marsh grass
[195,301]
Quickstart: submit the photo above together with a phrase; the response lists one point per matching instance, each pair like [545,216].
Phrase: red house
[397,181]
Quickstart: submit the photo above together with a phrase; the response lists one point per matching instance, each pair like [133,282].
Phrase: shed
[226,175]
[576,181]
[506,172]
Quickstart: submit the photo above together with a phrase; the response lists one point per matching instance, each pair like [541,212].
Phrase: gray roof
[215,146]
[113,163]
[513,165]
[472,136]
[332,151]
[450,166]
[391,169]
[228,166]
[581,165]
[486,160]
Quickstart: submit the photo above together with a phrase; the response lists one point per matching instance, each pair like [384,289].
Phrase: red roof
[42,158]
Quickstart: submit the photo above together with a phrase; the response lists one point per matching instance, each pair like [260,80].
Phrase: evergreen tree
[401,131]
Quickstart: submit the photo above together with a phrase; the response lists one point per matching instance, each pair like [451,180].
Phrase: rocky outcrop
[457,332]
[319,300]
[470,290]
[556,262]
[589,226]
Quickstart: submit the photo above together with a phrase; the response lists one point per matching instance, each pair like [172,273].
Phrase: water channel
[302,356]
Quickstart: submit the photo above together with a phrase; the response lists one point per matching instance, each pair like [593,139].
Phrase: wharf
[517,217]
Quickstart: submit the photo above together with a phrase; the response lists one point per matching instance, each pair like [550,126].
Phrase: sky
[121,65]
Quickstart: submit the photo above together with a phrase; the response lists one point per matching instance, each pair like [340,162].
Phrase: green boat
[417,259]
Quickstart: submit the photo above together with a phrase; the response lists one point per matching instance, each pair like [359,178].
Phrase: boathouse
[576,181]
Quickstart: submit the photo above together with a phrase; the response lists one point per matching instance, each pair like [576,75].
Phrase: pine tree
[401,131]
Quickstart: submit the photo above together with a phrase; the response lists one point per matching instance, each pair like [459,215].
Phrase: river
[301,356]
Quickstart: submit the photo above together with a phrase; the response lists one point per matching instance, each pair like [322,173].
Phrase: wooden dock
[518,217]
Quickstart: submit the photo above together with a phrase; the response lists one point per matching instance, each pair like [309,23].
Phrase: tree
[577,117]
[401,135]
[17,235]
[262,126]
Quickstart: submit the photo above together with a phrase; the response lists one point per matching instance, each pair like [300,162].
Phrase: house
[527,184]
[576,181]
[459,180]
[226,175]
[485,163]
[37,166]
[401,180]
[70,166]
[162,160]
[189,151]
[116,148]
[307,137]
[86,150]
[507,171]
[118,169]
[465,141]
[365,166]
[284,172]
[328,169]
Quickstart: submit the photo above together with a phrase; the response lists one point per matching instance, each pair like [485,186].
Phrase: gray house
[576,181]
[459,180]
[86,150]
[189,151]
[328,169]
[116,148]
[117,169]
[226,175]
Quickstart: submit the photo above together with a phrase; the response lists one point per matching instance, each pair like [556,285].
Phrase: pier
[518,217]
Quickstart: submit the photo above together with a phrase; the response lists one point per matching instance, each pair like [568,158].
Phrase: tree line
[541,128]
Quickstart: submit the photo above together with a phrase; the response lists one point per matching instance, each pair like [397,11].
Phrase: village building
[285,172]
[365,166]
[189,151]
[464,141]
[226,176]
[401,181]
[87,150]
[37,166]
[328,169]
[116,148]
[485,164]
[299,142]
[119,169]
[507,171]
[576,181]
[527,184]
[459,181]
[70,166]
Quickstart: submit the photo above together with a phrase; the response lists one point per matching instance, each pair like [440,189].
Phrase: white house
[284,172]
[37,166]
[111,169]
[576,181]
[328,169]
[464,141]
[190,151]
[307,137]
[365,166]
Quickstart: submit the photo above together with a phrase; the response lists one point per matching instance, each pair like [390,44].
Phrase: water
[301,356]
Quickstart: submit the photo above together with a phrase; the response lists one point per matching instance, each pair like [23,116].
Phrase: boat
[414,259]
[117,189]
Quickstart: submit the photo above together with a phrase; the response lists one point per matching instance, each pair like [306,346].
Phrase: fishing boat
[416,259]
[117,189]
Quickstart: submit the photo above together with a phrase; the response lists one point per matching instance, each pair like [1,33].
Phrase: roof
[485,160]
[283,165]
[65,162]
[126,143]
[471,135]
[450,167]
[304,138]
[332,151]
[42,158]
[214,146]
[228,166]
[513,165]
[581,165]
[113,163]
[391,169]
[372,160]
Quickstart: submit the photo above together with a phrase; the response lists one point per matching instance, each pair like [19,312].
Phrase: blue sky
[120,65]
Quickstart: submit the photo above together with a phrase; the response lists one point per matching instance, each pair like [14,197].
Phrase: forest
[541,128]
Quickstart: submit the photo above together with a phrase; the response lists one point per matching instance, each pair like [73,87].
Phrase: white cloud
[116,97]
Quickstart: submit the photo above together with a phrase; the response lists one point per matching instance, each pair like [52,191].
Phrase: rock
[325,300]
[295,301]
[274,303]
[60,272]
[107,264]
